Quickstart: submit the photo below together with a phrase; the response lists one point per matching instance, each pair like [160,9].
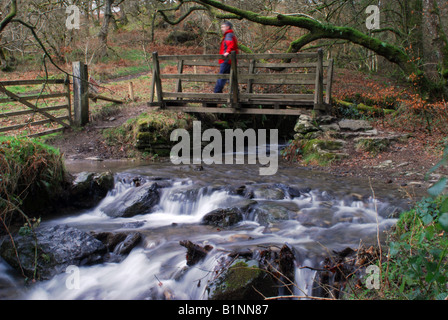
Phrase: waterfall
[313,222]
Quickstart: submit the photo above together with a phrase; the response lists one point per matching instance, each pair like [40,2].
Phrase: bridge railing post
[234,90]
[330,72]
[319,87]
[180,70]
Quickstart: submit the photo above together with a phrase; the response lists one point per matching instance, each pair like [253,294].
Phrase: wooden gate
[35,107]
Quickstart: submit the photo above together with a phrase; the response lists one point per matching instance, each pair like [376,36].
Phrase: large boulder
[89,188]
[134,201]
[223,217]
[226,217]
[50,250]
[244,279]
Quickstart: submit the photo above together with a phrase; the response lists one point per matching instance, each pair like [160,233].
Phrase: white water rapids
[333,216]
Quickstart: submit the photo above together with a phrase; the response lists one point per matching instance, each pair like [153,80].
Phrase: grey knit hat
[228,23]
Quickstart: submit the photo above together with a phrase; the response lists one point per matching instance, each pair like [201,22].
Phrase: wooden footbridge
[270,84]
[265,84]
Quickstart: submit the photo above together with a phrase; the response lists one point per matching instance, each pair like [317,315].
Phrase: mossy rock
[149,130]
[323,152]
[241,281]
[373,145]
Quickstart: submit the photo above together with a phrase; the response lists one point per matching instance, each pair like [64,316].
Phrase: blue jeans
[223,69]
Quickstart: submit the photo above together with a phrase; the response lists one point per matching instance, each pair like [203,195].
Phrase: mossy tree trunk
[319,30]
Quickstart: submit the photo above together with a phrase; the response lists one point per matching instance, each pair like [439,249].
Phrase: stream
[318,213]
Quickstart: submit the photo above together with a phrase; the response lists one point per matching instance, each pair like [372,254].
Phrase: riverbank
[403,164]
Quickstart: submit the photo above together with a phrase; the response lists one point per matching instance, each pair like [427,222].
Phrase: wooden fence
[35,107]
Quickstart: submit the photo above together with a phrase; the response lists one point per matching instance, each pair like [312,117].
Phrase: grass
[28,168]
[416,266]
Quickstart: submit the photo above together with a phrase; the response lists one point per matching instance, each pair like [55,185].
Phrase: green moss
[148,131]
[373,146]
[241,274]
[31,174]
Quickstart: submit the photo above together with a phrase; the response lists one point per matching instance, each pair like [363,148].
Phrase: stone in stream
[271,212]
[119,243]
[57,248]
[253,275]
[223,217]
[226,217]
[266,192]
[89,188]
[134,201]
[195,252]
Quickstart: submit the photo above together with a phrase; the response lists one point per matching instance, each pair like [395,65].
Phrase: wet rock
[134,201]
[266,192]
[270,213]
[185,194]
[287,267]
[223,217]
[89,188]
[292,192]
[244,279]
[119,243]
[195,252]
[57,248]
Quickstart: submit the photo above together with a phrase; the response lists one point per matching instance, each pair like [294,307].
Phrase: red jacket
[229,43]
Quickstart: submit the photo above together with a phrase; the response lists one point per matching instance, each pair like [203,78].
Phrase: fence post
[68,99]
[157,79]
[80,93]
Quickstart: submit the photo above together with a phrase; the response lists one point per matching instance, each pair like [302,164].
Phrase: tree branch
[12,13]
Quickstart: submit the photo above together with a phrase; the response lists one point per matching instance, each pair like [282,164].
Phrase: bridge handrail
[237,76]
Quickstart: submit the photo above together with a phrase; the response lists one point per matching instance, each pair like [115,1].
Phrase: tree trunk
[3,62]
[436,50]
[104,31]
[12,13]
[123,16]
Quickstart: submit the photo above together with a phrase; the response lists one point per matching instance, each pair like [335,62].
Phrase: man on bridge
[229,43]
